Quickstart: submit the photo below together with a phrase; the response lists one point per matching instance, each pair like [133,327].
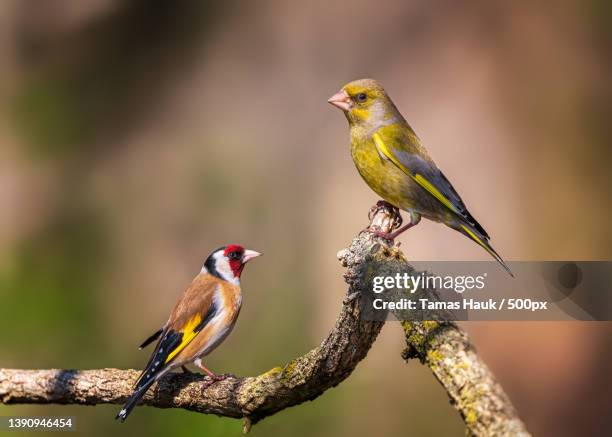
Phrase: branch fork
[443,347]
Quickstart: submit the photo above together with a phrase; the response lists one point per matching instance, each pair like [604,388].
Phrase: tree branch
[442,346]
[254,398]
[470,385]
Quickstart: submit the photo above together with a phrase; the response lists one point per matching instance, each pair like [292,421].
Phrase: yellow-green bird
[391,159]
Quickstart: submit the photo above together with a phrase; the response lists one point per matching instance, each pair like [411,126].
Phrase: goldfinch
[391,159]
[202,318]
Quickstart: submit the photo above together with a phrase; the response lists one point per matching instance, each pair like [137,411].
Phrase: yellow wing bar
[475,238]
[188,334]
[419,179]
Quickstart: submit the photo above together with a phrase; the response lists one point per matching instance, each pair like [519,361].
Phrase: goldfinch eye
[362,97]
[234,255]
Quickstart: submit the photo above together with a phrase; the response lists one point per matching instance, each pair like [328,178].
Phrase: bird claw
[391,236]
[384,235]
[382,205]
[210,380]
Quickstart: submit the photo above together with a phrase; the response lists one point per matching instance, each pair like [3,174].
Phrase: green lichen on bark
[471,387]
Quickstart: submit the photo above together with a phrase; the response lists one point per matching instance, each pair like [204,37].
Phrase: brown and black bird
[202,318]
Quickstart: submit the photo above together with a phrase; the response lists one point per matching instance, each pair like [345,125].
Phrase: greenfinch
[391,159]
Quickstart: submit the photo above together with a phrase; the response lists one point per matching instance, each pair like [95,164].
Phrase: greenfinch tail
[482,241]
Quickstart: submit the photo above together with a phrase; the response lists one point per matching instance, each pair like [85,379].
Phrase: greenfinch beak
[341,100]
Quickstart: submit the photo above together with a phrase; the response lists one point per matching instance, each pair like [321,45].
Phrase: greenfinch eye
[362,97]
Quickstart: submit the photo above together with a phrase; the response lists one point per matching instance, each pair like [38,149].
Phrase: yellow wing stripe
[474,237]
[188,335]
[419,179]
[433,190]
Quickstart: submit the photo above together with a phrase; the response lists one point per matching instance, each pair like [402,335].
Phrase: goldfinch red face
[228,261]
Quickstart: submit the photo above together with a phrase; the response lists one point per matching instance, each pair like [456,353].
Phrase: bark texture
[470,385]
[443,347]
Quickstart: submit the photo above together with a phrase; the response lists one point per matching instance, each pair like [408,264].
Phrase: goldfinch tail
[133,400]
[482,241]
[141,388]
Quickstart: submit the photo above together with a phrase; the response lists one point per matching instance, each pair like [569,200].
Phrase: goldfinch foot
[216,378]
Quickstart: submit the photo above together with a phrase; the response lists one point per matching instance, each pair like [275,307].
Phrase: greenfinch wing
[425,173]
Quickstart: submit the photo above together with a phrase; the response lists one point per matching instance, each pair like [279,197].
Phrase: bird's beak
[249,255]
[341,100]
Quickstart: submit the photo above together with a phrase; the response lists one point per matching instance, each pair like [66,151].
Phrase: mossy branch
[470,385]
[483,405]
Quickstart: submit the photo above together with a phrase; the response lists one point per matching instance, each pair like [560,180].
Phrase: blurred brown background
[137,136]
